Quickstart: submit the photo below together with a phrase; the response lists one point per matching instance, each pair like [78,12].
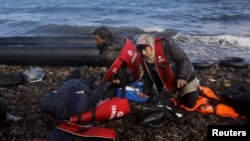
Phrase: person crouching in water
[165,64]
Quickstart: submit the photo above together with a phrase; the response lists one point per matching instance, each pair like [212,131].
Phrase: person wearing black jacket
[112,48]
[166,65]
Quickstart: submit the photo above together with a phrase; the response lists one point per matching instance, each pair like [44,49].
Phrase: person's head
[145,44]
[102,35]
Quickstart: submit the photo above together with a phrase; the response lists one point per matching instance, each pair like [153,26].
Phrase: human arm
[178,56]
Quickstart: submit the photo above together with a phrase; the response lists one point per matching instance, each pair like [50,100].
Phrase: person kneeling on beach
[119,55]
[73,97]
[165,64]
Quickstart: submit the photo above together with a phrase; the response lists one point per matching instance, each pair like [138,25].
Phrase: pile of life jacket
[229,104]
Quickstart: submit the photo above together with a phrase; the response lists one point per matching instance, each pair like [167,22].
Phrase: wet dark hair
[103,32]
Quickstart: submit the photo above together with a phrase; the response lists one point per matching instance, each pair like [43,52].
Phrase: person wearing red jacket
[120,57]
[166,65]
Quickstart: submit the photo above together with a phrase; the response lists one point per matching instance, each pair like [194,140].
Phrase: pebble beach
[24,101]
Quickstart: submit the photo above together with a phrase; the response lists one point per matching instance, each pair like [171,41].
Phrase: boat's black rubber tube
[202,64]
[45,40]
[51,55]
[49,50]
[235,62]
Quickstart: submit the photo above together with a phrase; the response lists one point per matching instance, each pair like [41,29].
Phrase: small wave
[225,39]
[60,30]
[227,17]
[153,29]
[75,30]
[214,47]
[55,29]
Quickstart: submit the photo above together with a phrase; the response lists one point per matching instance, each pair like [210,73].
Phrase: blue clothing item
[132,92]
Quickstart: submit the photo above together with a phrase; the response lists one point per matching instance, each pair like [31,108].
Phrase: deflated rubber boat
[51,51]
[70,51]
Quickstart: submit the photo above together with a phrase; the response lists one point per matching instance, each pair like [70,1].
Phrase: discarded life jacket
[106,110]
[61,107]
[71,131]
[66,131]
[163,67]
[128,55]
[205,106]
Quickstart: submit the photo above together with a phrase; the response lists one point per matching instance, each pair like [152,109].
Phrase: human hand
[181,83]
[116,81]
[143,95]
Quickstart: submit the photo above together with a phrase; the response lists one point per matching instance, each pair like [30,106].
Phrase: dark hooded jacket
[66,101]
[109,52]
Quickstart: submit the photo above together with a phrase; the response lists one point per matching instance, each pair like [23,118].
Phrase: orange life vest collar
[128,55]
[204,105]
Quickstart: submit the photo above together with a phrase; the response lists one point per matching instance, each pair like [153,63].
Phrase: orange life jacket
[128,55]
[203,106]
[163,67]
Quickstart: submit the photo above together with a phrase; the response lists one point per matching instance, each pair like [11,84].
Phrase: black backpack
[238,96]
[11,80]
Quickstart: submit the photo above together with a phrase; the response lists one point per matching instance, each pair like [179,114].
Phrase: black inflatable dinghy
[51,51]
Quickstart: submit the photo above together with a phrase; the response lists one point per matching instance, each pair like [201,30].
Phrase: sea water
[205,29]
